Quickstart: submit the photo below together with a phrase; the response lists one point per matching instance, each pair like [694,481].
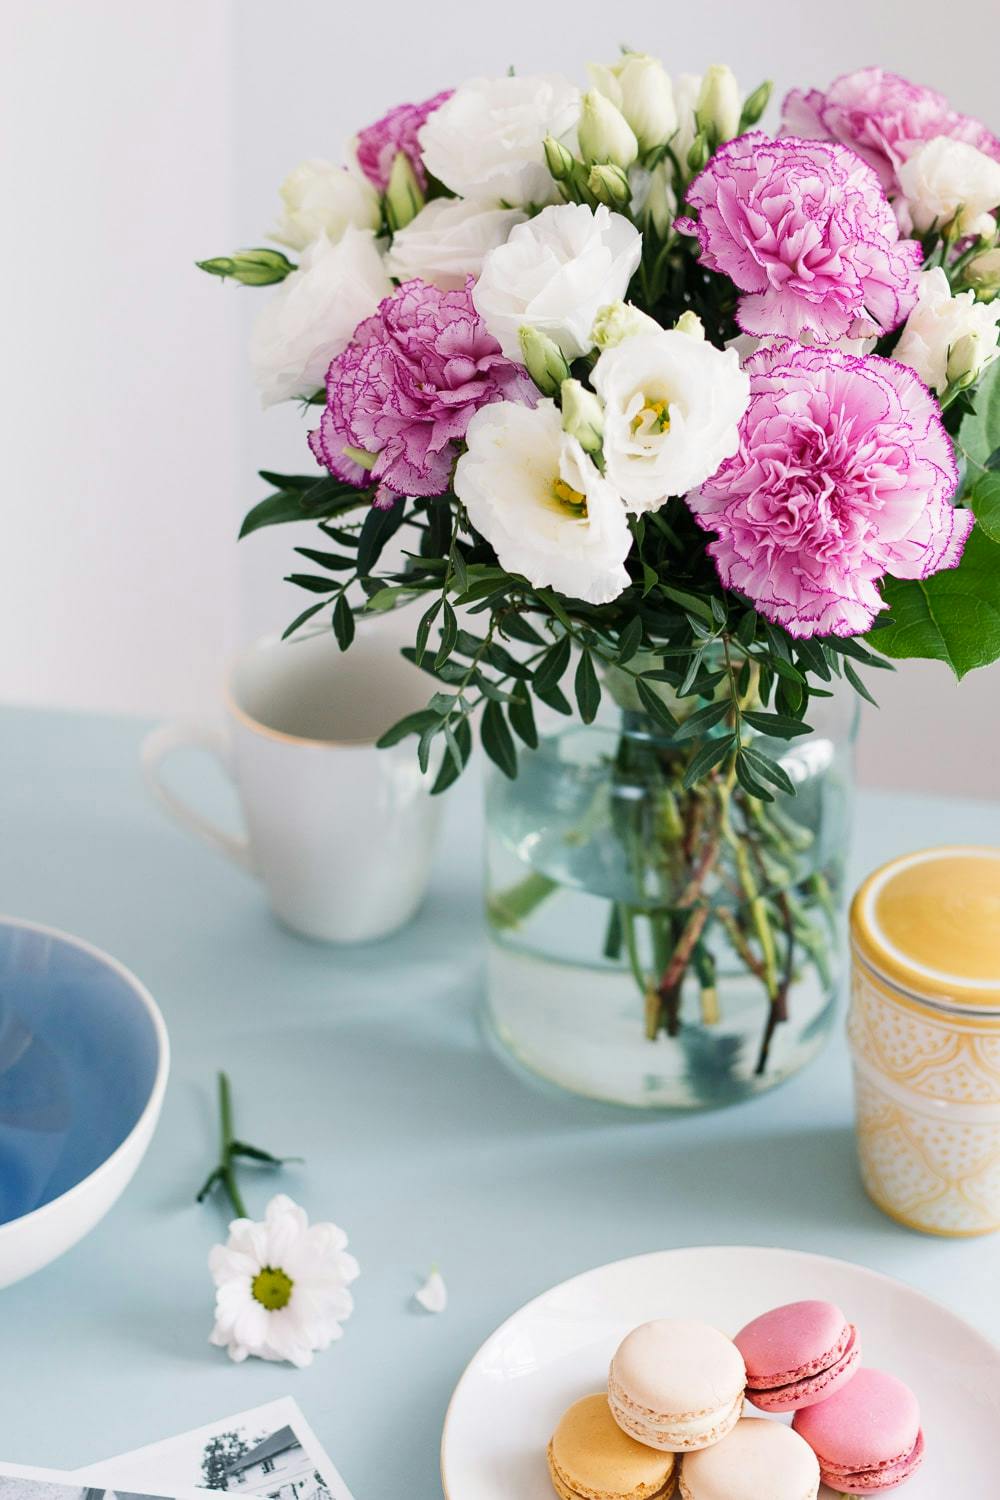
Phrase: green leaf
[379,526]
[654,706]
[274,511]
[412,724]
[449,635]
[857,684]
[460,577]
[301,619]
[497,740]
[953,616]
[985,501]
[692,603]
[287,481]
[424,630]
[979,434]
[708,757]
[650,578]
[343,622]
[748,781]
[587,688]
[763,766]
[312,583]
[555,698]
[331,560]
[520,629]
[630,640]
[449,773]
[702,720]
[779,726]
[522,717]
[552,665]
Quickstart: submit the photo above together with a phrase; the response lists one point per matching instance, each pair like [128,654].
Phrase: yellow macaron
[590,1458]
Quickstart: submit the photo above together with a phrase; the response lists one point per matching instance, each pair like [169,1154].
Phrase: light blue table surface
[424,1146]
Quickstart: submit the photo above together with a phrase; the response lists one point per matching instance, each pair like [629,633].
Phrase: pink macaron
[797,1355]
[867,1437]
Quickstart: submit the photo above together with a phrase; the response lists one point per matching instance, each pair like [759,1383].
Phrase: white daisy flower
[281,1285]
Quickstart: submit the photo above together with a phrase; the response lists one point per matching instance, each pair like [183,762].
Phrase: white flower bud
[719,104]
[690,323]
[647,100]
[619,321]
[968,356]
[655,199]
[558,160]
[582,415]
[604,133]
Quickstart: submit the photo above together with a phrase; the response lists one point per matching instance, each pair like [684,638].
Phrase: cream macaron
[590,1458]
[677,1385]
[759,1460]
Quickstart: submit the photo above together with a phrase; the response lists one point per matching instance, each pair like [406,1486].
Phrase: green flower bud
[620,321]
[983,274]
[609,184]
[404,196]
[697,157]
[544,360]
[251,267]
[755,104]
[582,415]
[690,323]
[605,134]
[719,105]
[559,161]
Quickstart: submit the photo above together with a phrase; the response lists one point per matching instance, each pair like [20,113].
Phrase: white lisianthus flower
[672,407]
[485,142]
[945,180]
[554,273]
[281,1286]
[319,198]
[541,503]
[310,318]
[448,241]
[948,338]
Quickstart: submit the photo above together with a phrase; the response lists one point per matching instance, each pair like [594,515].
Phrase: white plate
[557,1348]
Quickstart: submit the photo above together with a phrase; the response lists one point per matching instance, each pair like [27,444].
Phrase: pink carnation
[883,118]
[844,473]
[407,386]
[379,144]
[804,229]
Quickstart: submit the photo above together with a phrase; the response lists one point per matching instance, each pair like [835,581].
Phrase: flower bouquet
[687,415]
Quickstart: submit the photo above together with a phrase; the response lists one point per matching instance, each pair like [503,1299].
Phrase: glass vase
[660,947]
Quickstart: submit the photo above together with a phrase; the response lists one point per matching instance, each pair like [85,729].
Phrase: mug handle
[161,743]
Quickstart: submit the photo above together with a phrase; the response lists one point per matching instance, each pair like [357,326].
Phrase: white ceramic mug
[340,833]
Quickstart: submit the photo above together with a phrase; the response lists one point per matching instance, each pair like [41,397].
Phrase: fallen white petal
[433,1295]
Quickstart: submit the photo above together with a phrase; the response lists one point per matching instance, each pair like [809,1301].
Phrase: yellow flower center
[272,1288]
[654,417]
[569,498]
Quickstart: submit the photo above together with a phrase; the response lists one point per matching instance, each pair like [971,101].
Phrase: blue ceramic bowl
[84,1058]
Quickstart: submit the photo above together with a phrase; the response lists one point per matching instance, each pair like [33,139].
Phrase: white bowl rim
[646,1255]
[151,1108]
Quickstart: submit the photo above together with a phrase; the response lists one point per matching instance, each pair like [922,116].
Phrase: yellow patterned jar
[924,1030]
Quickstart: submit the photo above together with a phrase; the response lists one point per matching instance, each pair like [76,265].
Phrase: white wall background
[139,137]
